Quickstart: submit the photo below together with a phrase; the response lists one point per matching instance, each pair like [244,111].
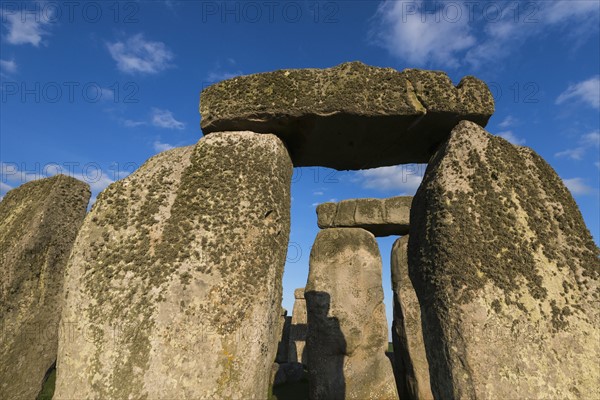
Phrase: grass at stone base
[48,387]
[290,391]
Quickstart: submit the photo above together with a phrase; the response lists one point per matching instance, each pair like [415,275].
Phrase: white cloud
[587,141]
[4,187]
[507,122]
[165,119]
[587,92]
[17,175]
[511,137]
[318,193]
[27,27]
[133,124]
[404,179]
[577,186]
[574,154]
[591,139]
[8,66]
[421,38]
[137,54]
[455,33]
[160,147]
[97,184]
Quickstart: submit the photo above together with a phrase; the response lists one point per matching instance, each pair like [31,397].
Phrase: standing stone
[347,328]
[284,327]
[351,116]
[38,225]
[506,273]
[298,329]
[412,368]
[174,287]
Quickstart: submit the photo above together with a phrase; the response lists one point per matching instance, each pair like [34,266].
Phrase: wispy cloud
[577,186]
[404,179]
[318,193]
[586,142]
[4,187]
[160,147]
[8,67]
[165,119]
[586,92]
[27,27]
[129,123]
[138,55]
[507,122]
[402,30]
[451,34]
[511,137]
[159,118]
[13,175]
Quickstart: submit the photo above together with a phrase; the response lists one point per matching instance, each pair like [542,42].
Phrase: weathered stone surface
[182,261]
[297,344]
[347,328]
[38,225]
[381,217]
[352,116]
[506,273]
[411,366]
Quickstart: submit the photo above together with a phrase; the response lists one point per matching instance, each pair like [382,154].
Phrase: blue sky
[95,88]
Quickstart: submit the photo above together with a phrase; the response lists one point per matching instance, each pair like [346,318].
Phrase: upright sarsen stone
[38,225]
[347,328]
[410,359]
[176,276]
[507,275]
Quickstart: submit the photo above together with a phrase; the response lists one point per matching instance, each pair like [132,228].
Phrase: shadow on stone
[47,390]
[326,349]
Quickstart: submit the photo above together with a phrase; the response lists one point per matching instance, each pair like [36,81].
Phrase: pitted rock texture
[352,116]
[39,222]
[410,359]
[506,273]
[381,217]
[174,286]
[298,329]
[347,328]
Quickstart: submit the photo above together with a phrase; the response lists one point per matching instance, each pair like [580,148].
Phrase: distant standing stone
[298,329]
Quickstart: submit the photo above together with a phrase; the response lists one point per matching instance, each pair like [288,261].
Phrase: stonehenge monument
[171,286]
[38,225]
